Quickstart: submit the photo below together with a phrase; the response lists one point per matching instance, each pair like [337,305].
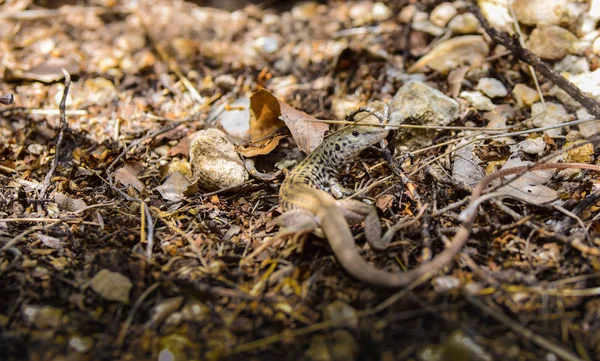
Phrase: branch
[526,56]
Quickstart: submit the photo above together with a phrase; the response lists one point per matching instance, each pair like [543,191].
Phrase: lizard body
[307,204]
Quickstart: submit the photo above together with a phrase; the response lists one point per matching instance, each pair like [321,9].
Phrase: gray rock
[417,103]
[215,163]
[477,100]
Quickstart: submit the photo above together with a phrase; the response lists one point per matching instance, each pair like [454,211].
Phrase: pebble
[464,24]
[112,286]
[572,64]
[225,81]
[596,46]
[427,27]
[491,87]
[215,163]
[524,95]
[534,146]
[304,10]
[380,12]
[536,12]
[590,128]
[442,14]
[554,113]
[407,13]
[497,14]
[42,317]
[477,100]
[552,42]
[267,44]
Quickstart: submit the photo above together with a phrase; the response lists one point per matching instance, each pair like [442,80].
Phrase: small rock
[305,10]
[553,114]
[407,13]
[81,344]
[423,105]
[360,13]
[551,42]
[215,163]
[36,149]
[491,87]
[225,81]
[427,27]
[572,64]
[477,100]
[267,44]
[341,314]
[112,286]
[445,284]
[42,317]
[497,14]
[524,95]
[596,46]
[465,167]
[536,12]
[380,12]
[590,128]
[341,106]
[464,24]
[442,14]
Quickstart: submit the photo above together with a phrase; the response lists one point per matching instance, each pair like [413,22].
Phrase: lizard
[307,204]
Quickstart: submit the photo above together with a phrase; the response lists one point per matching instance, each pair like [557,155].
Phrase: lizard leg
[294,222]
[338,191]
[356,211]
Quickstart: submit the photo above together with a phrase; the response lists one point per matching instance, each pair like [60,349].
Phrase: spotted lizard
[307,203]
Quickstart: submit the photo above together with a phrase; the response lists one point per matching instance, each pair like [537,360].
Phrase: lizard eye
[355,133]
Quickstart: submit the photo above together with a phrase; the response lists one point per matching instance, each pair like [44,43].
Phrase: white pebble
[491,87]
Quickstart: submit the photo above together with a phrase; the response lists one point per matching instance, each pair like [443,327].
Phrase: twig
[526,56]
[134,309]
[61,133]
[27,232]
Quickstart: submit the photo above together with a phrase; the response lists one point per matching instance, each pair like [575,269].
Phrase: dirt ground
[105,255]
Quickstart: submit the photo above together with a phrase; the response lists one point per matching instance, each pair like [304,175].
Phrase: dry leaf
[174,187]
[452,53]
[466,167]
[307,131]
[530,186]
[68,203]
[268,114]
[127,175]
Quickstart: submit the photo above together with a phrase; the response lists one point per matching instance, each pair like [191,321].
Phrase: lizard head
[349,142]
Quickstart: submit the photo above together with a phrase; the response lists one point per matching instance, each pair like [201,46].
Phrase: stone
[420,104]
[112,286]
[465,23]
[536,12]
[491,87]
[477,100]
[553,114]
[442,14]
[215,163]
[524,95]
[552,42]
[572,64]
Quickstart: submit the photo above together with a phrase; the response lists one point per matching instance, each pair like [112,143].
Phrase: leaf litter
[120,237]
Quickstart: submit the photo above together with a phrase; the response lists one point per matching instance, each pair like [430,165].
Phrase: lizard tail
[342,243]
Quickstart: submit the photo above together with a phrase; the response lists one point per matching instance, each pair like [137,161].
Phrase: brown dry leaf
[174,187]
[307,131]
[267,114]
[530,186]
[68,203]
[452,53]
[384,202]
[127,175]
